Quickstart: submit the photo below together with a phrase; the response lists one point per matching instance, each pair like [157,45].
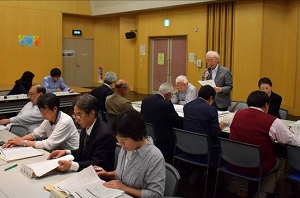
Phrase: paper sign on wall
[160,58]
[25,40]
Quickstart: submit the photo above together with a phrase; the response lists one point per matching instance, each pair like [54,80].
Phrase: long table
[15,185]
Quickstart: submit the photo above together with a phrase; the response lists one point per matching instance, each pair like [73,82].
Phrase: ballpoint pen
[13,166]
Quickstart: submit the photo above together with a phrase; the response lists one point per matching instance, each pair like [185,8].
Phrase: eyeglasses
[211,60]
[77,116]
[31,93]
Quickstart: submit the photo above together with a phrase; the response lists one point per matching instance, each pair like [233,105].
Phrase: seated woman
[141,169]
[265,84]
[22,85]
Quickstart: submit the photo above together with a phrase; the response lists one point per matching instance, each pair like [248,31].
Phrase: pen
[13,166]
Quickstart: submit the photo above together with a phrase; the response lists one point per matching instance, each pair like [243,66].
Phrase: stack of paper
[16,153]
[41,168]
[86,184]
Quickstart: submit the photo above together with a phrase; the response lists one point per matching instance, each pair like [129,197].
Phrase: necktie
[86,139]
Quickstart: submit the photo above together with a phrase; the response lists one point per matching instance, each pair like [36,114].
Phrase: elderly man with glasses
[29,114]
[97,145]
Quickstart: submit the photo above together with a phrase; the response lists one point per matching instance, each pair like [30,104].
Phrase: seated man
[97,145]
[255,126]
[58,130]
[29,114]
[104,90]
[117,103]
[184,91]
[201,117]
[55,83]
[159,111]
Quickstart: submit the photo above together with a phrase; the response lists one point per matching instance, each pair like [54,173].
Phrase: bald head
[122,87]
[35,92]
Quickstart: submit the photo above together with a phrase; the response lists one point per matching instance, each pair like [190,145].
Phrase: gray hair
[110,77]
[216,55]
[87,103]
[165,88]
[181,78]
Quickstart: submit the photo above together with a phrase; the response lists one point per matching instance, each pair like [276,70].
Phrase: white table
[15,185]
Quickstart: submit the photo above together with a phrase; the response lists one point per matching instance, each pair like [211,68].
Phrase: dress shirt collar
[161,95]
[89,130]
[257,108]
[106,84]
[57,118]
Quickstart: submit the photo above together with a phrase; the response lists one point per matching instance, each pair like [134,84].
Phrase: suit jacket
[223,79]
[100,148]
[275,105]
[201,117]
[116,104]
[101,93]
[163,116]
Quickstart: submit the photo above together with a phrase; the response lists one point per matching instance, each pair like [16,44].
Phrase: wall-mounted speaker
[130,35]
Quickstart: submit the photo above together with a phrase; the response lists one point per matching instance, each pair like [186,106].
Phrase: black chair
[190,147]
[242,155]
[109,118]
[151,132]
[172,180]
[19,129]
[293,161]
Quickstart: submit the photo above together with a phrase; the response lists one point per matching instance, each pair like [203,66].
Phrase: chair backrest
[19,129]
[191,143]
[110,118]
[241,154]
[240,105]
[151,132]
[117,151]
[232,107]
[283,113]
[172,180]
[292,155]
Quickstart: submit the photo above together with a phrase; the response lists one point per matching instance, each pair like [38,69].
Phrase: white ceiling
[101,7]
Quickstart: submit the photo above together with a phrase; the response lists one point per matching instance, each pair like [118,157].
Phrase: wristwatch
[25,143]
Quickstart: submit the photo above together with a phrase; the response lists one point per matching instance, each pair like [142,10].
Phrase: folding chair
[283,113]
[293,160]
[191,147]
[242,155]
[19,129]
[117,151]
[151,132]
[172,180]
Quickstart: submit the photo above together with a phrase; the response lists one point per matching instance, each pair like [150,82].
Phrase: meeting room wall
[33,18]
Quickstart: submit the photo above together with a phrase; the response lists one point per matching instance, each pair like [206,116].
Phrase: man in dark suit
[223,79]
[103,91]
[96,145]
[159,110]
[201,117]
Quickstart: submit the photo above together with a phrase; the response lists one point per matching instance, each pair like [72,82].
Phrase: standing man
[57,131]
[255,126]
[223,79]
[201,117]
[104,90]
[55,83]
[97,145]
[117,103]
[29,114]
[159,111]
[184,91]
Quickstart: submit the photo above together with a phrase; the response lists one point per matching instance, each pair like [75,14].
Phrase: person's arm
[27,140]
[191,94]
[174,98]
[47,84]
[227,87]
[63,86]
[29,116]
[280,133]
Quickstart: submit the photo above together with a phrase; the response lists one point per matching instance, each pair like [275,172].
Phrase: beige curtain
[220,31]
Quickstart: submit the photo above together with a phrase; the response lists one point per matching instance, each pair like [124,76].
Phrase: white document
[16,153]
[41,168]
[86,184]
[207,82]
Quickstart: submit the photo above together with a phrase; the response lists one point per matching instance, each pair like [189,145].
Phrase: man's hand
[57,154]
[64,165]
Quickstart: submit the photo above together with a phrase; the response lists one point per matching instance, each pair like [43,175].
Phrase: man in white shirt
[29,114]
[184,91]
